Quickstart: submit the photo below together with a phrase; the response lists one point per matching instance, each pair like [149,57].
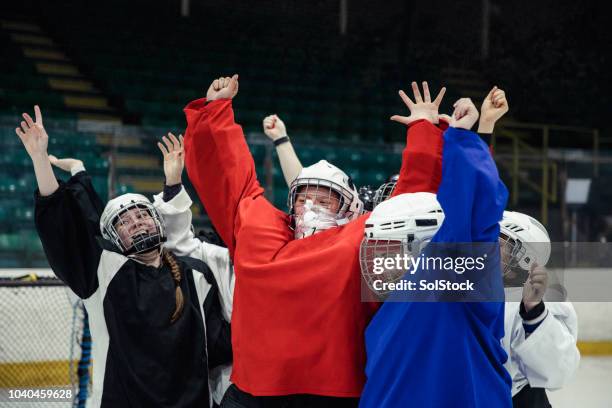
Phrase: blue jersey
[447,354]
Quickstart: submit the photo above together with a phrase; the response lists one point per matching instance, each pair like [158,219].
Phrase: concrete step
[138,162]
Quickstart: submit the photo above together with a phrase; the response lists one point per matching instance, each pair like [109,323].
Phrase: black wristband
[281,140]
[171,191]
[486,137]
[533,313]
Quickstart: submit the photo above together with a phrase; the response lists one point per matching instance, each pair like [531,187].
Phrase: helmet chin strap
[141,241]
[137,258]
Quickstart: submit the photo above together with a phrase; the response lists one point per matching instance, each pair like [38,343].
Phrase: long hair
[175,271]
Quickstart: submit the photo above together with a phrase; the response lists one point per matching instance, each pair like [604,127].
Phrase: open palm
[174,159]
[422,107]
[32,134]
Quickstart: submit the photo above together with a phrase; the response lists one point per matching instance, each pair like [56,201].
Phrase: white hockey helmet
[402,225]
[524,240]
[325,174]
[141,242]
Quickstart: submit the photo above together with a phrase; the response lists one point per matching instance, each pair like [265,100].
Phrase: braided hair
[169,259]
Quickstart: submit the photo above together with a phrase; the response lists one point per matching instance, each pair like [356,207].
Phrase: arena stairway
[43,72]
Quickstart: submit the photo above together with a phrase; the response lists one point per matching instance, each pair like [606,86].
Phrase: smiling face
[322,196]
[133,222]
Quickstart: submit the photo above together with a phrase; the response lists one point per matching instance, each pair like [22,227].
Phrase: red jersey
[298,320]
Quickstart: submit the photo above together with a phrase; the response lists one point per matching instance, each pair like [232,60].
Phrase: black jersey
[140,359]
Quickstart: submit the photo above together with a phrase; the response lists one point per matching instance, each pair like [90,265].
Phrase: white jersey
[548,358]
[176,214]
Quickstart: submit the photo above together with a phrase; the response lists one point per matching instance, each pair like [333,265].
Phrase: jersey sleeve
[219,164]
[549,356]
[181,240]
[421,169]
[471,192]
[68,222]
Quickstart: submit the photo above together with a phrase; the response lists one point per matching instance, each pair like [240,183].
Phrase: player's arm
[422,158]
[174,206]
[275,129]
[217,157]
[471,193]
[548,353]
[66,214]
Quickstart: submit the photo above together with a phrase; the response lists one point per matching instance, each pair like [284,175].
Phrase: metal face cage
[372,255]
[327,194]
[512,251]
[384,192]
[143,241]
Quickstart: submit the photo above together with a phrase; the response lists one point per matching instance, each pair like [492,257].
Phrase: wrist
[281,140]
[173,181]
[529,308]
[39,157]
[485,126]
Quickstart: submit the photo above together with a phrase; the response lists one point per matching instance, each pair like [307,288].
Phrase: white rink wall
[36,324]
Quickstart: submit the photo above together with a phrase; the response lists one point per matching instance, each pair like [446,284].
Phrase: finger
[38,115]
[491,92]
[233,83]
[216,84]
[406,99]
[175,142]
[401,119]
[28,119]
[168,143]
[426,93]
[163,149]
[172,144]
[440,96]
[53,159]
[181,141]
[499,101]
[538,279]
[20,133]
[417,94]
[24,126]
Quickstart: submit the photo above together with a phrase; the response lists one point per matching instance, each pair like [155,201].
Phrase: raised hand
[535,287]
[422,107]
[274,127]
[33,135]
[444,117]
[465,114]
[66,164]
[494,106]
[224,87]
[174,158]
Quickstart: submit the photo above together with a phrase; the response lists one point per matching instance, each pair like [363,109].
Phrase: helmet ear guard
[524,241]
